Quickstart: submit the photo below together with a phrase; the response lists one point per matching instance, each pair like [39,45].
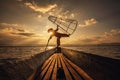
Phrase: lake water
[27,52]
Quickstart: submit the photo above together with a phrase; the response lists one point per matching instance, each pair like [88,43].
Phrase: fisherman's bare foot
[69,34]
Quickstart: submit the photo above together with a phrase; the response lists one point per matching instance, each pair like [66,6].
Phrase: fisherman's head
[50,30]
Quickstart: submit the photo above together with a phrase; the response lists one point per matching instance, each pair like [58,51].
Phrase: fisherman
[57,34]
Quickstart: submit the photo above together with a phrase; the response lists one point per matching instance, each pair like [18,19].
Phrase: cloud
[42,9]
[88,22]
[113,36]
[50,8]
[8,25]
[25,34]
[15,29]
[92,40]
[72,15]
[8,39]
[13,35]
[64,14]
[39,16]
[19,0]
[87,40]
[21,30]
[11,27]
[47,7]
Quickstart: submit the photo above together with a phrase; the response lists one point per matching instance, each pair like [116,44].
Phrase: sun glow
[50,47]
[51,33]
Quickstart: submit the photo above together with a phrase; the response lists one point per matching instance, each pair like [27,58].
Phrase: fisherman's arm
[50,38]
[57,28]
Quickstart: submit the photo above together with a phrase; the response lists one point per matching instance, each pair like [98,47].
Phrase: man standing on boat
[57,34]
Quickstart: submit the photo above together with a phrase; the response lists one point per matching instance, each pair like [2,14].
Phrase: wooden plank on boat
[46,62]
[54,75]
[31,77]
[49,71]
[45,69]
[79,70]
[73,72]
[58,59]
[67,74]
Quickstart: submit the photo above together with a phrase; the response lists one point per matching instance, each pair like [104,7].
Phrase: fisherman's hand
[69,35]
[57,26]
[50,38]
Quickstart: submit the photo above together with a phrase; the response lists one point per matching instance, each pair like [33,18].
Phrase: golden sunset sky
[25,22]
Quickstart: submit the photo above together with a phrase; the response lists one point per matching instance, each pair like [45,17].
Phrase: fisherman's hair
[50,29]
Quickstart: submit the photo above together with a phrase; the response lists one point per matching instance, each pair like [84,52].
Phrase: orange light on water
[50,47]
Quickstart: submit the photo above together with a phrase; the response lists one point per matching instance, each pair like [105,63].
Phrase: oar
[47,44]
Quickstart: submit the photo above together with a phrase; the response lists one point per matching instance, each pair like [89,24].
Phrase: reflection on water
[108,51]
[27,52]
[50,47]
[19,52]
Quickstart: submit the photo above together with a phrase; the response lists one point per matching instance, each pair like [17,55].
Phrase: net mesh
[67,26]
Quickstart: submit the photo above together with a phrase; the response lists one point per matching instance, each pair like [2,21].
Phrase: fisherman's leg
[65,35]
[58,41]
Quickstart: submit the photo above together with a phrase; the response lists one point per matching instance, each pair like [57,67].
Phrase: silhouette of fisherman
[57,34]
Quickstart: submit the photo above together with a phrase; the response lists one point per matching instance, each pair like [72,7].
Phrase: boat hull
[98,67]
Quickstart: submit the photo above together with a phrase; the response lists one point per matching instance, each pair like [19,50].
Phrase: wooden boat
[61,64]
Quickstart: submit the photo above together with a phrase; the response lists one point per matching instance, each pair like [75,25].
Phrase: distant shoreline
[71,45]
